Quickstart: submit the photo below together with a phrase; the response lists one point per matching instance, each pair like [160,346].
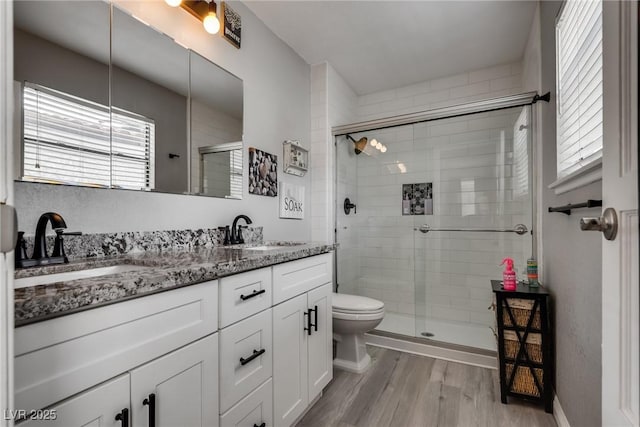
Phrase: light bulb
[383,149]
[374,142]
[211,23]
[173,3]
[379,146]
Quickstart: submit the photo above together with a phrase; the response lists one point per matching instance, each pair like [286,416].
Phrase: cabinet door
[96,407]
[290,388]
[184,384]
[320,345]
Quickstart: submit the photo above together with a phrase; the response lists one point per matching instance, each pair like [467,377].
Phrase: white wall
[571,263]
[503,79]
[276,107]
[333,103]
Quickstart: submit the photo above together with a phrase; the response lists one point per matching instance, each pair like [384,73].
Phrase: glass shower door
[478,176]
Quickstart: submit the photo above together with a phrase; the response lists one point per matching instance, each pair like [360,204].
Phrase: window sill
[580,178]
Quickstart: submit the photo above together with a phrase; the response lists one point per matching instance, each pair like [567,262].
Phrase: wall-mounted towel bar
[566,209]
[519,229]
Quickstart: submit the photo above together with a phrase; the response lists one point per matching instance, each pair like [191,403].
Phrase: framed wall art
[263,173]
[231,25]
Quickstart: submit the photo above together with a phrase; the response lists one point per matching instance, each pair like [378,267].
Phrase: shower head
[359,144]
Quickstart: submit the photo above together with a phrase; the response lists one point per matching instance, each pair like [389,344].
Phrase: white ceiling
[379,45]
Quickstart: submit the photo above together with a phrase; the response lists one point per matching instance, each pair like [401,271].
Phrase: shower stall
[435,202]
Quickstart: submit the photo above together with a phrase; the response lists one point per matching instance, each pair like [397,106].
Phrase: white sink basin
[75,275]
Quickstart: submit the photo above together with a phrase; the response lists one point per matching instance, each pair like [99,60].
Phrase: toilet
[353,316]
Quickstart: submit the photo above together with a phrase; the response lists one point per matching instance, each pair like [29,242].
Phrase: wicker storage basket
[523,382]
[533,346]
[521,309]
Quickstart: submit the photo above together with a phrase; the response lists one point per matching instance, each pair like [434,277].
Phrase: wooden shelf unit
[516,312]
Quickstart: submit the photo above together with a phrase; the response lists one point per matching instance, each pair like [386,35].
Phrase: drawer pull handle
[261,425]
[151,402]
[123,417]
[256,353]
[253,294]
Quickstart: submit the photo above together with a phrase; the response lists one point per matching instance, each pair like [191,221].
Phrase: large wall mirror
[110,102]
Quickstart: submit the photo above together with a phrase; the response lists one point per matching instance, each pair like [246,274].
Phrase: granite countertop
[167,270]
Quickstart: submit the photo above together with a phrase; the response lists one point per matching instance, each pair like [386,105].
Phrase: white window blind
[579,85]
[69,140]
[235,177]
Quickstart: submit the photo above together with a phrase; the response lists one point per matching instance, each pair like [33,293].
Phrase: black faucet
[236,234]
[40,253]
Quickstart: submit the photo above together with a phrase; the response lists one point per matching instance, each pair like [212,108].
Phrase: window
[70,140]
[579,88]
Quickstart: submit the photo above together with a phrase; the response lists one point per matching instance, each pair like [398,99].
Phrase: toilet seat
[355,307]
[355,304]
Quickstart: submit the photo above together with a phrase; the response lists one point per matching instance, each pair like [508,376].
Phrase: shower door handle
[424,228]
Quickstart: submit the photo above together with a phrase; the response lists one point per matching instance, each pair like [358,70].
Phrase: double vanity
[202,337]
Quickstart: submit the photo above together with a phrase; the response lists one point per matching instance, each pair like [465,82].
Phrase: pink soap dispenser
[509,281]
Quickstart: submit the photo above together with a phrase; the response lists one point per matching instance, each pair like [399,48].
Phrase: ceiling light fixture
[204,10]
[173,3]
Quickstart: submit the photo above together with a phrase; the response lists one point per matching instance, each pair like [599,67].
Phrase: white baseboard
[558,413]
[481,360]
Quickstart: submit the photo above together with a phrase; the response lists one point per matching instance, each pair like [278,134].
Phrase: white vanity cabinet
[302,336]
[70,355]
[251,349]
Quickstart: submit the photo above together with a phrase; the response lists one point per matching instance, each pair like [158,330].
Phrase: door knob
[607,224]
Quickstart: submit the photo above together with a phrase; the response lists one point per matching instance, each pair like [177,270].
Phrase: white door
[179,389]
[620,298]
[96,407]
[6,196]
[320,347]
[290,386]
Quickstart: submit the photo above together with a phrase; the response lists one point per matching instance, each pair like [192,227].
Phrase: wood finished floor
[406,390]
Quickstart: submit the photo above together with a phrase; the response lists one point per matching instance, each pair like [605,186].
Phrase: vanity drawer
[253,410]
[63,356]
[243,295]
[297,277]
[245,357]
